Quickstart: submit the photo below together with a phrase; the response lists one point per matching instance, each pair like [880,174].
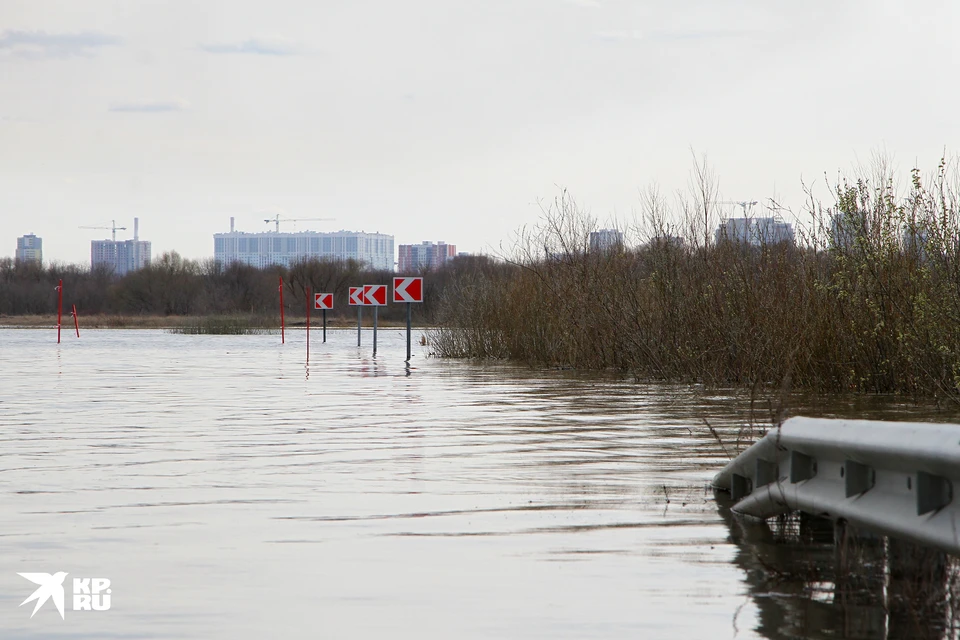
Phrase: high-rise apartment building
[29,248]
[413,258]
[606,240]
[375,250]
[754,231]
[121,256]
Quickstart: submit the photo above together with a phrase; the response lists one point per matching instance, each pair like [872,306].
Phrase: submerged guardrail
[894,478]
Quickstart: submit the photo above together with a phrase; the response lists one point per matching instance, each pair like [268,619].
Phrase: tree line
[174,286]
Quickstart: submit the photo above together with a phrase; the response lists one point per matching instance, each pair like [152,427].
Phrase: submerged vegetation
[225,325]
[867,299]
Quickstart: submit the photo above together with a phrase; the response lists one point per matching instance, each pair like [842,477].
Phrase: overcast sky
[442,119]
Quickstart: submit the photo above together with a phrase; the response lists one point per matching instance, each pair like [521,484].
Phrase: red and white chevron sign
[375,294]
[356,296]
[323,301]
[408,289]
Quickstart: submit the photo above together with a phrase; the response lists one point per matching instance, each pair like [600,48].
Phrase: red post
[76,321]
[308,325]
[282,327]
[59,308]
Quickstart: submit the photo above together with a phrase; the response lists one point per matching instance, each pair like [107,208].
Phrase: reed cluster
[866,299]
[225,325]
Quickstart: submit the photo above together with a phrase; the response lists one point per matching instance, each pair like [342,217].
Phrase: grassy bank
[867,300]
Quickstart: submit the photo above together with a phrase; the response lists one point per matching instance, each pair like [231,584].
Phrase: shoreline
[104,321]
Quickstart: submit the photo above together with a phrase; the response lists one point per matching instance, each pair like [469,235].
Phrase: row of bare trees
[174,286]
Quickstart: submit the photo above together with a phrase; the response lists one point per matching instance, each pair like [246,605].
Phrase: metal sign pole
[59,308]
[324,326]
[283,336]
[375,309]
[359,320]
[409,312]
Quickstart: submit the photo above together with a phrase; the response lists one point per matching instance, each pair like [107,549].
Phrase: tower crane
[113,228]
[742,203]
[277,220]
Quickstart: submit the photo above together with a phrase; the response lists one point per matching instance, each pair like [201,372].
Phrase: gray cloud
[158,106]
[40,44]
[254,46]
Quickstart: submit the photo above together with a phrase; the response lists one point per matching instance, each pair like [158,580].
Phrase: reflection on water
[811,578]
[230,491]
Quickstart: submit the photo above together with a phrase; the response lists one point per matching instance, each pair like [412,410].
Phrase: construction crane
[742,203]
[113,228]
[277,220]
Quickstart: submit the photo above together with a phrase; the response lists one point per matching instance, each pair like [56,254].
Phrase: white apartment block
[375,250]
[755,231]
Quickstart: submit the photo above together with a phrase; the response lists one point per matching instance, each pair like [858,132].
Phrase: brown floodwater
[227,490]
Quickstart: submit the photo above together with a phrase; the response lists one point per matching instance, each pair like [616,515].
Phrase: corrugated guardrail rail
[894,478]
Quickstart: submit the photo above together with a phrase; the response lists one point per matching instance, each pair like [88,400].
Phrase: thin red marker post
[76,321]
[283,338]
[308,325]
[59,308]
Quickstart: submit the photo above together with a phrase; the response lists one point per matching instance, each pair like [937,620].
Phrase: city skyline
[445,119]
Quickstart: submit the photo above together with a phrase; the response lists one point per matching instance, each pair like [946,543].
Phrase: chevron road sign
[323,301]
[375,295]
[356,296]
[408,289]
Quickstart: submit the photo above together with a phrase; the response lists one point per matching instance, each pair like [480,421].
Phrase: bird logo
[51,586]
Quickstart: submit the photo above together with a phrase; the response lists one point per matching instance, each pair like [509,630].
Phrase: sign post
[59,308]
[375,295]
[408,290]
[282,327]
[76,321]
[356,300]
[323,301]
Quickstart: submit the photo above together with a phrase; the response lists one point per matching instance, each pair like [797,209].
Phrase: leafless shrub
[867,300]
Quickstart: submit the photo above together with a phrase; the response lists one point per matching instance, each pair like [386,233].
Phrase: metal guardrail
[894,478]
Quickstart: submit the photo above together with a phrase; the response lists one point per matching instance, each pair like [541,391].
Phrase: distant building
[413,258]
[121,256]
[29,248]
[917,241]
[754,231]
[843,231]
[606,239]
[375,250]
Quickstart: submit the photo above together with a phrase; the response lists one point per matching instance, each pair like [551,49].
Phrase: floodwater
[227,490]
